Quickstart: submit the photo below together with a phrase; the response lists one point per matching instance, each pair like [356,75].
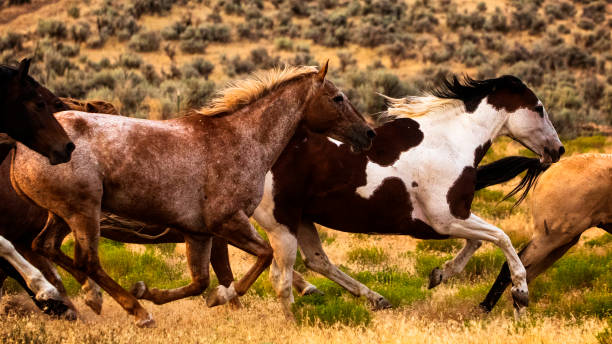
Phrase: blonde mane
[240,93]
[418,106]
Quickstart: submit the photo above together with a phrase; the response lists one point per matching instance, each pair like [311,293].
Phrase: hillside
[154,57]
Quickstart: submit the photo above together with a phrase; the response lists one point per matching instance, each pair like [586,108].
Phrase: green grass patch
[399,288]
[578,284]
[488,203]
[427,262]
[605,336]
[585,144]
[127,267]
[484,264]
[600,241]
[314,309]
[367,256]
[446,246]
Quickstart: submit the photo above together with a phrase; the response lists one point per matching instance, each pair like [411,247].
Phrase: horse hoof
[484,307]
[435,277]
[53,307]
[235,303]
[520,297]
[147,322]
[94,305]
[138,289]
[70,315]
[217,297]
[311,290]
[381,303]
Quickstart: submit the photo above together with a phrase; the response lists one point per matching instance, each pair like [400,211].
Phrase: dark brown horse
[202,174]
[27,117]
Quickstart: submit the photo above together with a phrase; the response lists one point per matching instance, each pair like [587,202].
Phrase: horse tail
[505,169]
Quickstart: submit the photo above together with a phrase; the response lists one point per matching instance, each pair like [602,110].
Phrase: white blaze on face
[336,142]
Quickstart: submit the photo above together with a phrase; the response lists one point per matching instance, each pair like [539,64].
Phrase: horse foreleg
[219,259]
[49,242]
[284,245]
[44,292]
[316,260]
[475,228]
[51,274]
[239,231]
[198,255]
[455,265]
[85,228]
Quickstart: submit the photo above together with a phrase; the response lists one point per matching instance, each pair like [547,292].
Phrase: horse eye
[338,99]
[540,110]
[40,105]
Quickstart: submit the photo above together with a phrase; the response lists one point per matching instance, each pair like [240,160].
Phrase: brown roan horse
[27,117]
[202,174]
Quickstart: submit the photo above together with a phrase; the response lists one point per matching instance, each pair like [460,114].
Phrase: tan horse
[572,196]
[202,174]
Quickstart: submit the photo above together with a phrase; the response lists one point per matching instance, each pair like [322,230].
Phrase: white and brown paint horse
[562,214]
[418,179]
[27,117]
[202,174]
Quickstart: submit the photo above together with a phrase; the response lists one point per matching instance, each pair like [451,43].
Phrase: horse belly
[388,210]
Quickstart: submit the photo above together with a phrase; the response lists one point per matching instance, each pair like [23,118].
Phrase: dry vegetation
[153,58]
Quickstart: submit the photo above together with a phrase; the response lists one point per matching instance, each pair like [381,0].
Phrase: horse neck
[272,120]
[464,130]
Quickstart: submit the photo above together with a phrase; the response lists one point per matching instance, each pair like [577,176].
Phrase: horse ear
[323,72]
[24,67]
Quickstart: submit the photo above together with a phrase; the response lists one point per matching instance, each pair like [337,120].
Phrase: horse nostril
[370,133]
[70,147]
[561,151]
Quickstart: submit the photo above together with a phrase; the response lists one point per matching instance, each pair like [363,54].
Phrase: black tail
[505,169]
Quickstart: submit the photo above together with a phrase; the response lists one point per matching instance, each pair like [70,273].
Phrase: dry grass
[189,321]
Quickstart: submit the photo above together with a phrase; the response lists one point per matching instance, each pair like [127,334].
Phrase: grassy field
[572,300]
[154,58]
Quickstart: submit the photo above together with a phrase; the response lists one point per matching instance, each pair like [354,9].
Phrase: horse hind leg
[219,260]
[198,255]
[239,231]
[316,260]
[455,265]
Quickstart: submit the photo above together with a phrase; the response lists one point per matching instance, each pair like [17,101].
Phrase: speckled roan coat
[200,174]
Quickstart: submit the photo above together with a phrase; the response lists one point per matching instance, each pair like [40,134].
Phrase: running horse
[28,118]
[572,196]
[202,174]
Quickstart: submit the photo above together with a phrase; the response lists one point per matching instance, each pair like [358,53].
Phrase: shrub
[197,92]
[346,59]
[101,79]
[74,12]
[80,32]
[560,10]
[140,7]
[68,50]
[367,256]
[497,22]
[145,42]
[131,61]
[192,46]
[11,41]
[283,43]
[595,11]
[56,63]
[261,59]
[149,73]
[529,72]
[201,67]
[52,28]
[586,24]
[236,66]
